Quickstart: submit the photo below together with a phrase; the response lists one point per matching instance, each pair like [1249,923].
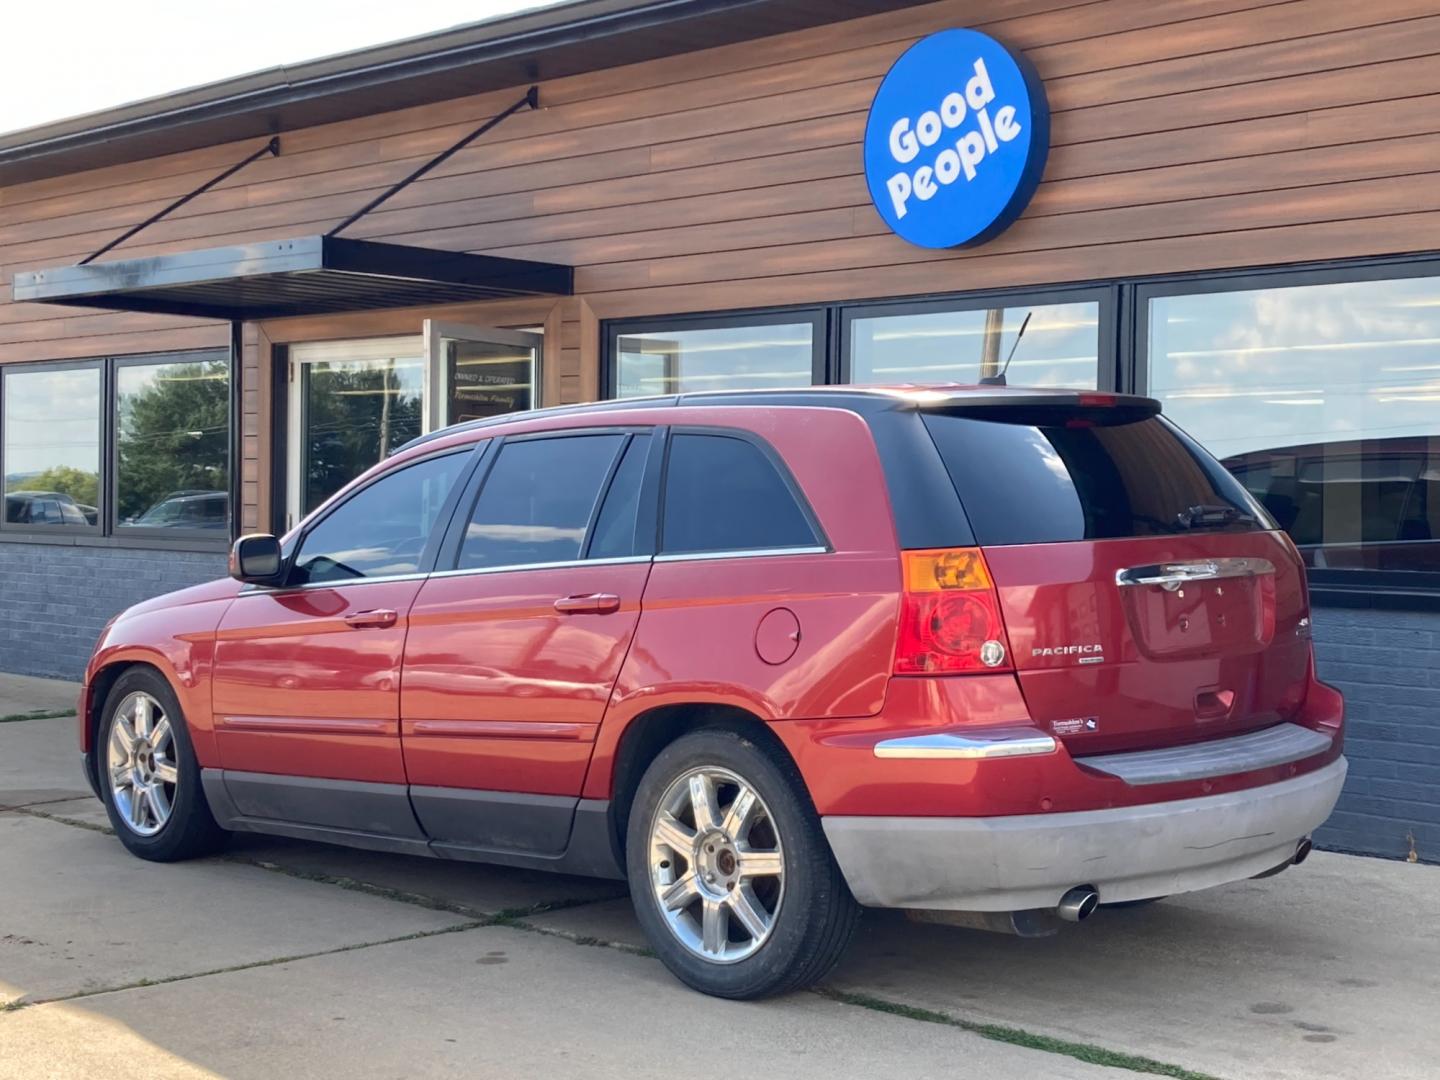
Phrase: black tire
[816,914]
[190,830]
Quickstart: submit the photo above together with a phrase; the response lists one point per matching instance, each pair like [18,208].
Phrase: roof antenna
[999,379]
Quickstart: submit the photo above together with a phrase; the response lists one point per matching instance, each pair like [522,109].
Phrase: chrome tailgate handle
[1173,575]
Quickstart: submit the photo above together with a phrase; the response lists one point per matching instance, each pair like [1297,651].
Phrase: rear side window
[614,534]
[1080,480]
[724,493]
[538,500]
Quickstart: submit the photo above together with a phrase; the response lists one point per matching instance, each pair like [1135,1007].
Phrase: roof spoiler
[1043,408]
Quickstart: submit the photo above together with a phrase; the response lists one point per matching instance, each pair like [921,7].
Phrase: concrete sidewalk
[289,957]
[21,695]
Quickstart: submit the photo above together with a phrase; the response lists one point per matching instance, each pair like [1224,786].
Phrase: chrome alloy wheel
[140,762]
[718,874]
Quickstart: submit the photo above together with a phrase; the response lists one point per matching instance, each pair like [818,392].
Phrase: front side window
[742,357]
[724,493]
[51,450]
[1043,345]
[1324,400]
[172,445]
[381,530]
[538,500]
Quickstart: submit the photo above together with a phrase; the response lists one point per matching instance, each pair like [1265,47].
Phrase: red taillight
[950,615]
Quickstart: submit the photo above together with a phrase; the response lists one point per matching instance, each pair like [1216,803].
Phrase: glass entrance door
[351,404]
[478,372]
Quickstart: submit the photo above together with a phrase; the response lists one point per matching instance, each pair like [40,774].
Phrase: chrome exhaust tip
[1302,851]
[1079,903]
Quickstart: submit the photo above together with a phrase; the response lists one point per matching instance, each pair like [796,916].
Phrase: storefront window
[1044,344]
[354,413]
[1324,400]
[739,357]
[51,448]
[172,448]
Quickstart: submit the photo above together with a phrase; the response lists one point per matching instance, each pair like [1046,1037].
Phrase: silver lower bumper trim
[1127,853]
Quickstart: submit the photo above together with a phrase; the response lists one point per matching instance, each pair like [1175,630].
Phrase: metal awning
[309,275]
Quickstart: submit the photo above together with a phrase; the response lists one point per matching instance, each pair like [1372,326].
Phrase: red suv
[999,653]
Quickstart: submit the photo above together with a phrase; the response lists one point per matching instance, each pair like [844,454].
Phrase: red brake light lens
[950,616]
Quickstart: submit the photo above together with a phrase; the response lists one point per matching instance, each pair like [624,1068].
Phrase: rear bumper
[1026,861]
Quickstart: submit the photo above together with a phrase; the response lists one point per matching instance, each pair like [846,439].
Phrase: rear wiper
[1197,516]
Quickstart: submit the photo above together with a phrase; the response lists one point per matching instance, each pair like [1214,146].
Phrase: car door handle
[367,620]
[590,604]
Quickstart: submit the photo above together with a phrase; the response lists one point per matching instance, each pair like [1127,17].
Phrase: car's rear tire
[730,873]
[149,777]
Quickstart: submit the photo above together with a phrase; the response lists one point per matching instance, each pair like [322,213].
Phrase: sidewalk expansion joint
[138,984]
[60,819]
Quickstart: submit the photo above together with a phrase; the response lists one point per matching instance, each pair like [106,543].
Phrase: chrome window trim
[942,745]
[560,565]
[756,553]
[346,583]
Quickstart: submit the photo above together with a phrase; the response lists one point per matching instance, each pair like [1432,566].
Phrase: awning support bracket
[272,148]
[531,100]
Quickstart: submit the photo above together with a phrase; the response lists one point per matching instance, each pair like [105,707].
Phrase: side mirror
[256,559]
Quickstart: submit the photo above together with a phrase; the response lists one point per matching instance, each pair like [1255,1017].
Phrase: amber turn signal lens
[945,568]
[950,620]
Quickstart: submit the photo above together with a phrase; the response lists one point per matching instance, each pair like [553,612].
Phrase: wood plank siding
[1187,135]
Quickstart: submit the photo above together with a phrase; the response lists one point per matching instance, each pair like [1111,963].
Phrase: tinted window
[172,444]
[381,530]
[614,535]
[725,494]
[51,444]
[665,360]
[1036,484]
[538,500]
[1060,345]
[1322,399]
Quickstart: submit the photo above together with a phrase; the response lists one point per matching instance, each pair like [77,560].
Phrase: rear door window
[1086,478]
[538,500]
[614,535]
[725,493]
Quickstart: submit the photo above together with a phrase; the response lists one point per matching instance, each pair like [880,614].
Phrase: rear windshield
[1079,480]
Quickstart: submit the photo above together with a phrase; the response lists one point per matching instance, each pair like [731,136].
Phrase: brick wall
[56,599]
[1388,665]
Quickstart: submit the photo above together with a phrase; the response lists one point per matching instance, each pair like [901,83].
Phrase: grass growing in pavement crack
[23,1003]
[36,714]
[1094,1055]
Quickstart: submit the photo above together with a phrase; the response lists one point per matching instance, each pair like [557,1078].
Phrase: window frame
[447,561]
[1406,589]
[107,531]
[59,533]
[111,483]
[1103,296]
[822,545]
[614,330]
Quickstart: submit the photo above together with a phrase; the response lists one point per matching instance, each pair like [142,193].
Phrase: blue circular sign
[956,140]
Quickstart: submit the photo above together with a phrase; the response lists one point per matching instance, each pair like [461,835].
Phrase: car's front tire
[149,777]
[730,873]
